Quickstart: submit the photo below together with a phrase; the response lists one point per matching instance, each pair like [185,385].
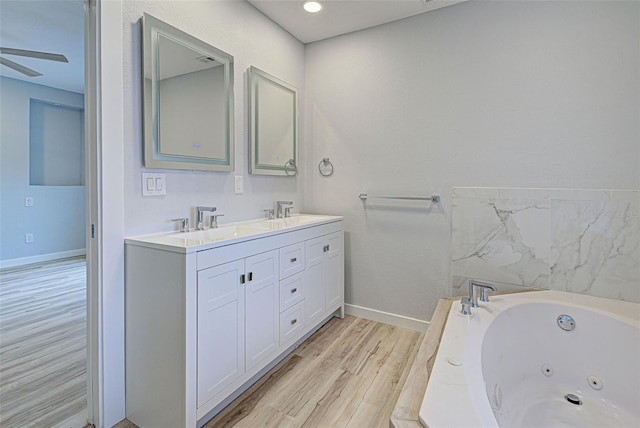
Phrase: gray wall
[57,217]
[242,31]
[498,94]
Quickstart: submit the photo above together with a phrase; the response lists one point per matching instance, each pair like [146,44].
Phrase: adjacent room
[43,308]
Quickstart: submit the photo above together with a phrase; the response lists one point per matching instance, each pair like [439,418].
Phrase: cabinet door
[220,328]
[334,271]
[314,291]
[262,314]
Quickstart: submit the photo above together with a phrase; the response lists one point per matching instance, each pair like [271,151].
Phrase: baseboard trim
[386,317]
[42,258]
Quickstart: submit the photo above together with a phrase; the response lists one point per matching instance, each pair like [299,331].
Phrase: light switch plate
[153,184]
[28,201]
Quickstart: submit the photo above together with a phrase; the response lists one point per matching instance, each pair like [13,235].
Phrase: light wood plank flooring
[348,374]
[42,343]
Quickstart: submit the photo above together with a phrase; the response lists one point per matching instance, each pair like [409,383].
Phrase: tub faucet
[200,216]
[466,306]
[279,212]
[484,294]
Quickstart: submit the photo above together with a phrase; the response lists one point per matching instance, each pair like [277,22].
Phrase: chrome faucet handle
[268,213]
[466,306]
[214,220]
[183,224]
[200,216]
[287,211]
[279,205]
[484,294]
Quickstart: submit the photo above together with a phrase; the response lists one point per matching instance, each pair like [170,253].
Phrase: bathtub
[510,364]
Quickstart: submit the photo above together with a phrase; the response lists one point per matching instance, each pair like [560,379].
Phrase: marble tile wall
[582,241]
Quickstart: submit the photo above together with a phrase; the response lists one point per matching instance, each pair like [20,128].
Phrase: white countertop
[231,233]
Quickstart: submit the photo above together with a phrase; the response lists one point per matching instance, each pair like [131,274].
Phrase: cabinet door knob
[250,276]
[242,281]
[293,260]
[293,290]
[293,321]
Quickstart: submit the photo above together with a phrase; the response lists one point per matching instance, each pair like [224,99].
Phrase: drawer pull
[293,260]
[293,321]
[293,290]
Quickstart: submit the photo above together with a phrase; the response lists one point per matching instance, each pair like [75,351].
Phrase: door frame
[92,189]
[105,212]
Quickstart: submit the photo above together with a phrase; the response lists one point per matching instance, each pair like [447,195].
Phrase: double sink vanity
[208,312]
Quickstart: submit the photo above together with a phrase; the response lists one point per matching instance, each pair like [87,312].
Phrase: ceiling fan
[31,54]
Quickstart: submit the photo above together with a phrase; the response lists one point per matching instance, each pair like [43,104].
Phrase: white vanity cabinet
[325,266]
[204,320]
[261,307]
[221,323]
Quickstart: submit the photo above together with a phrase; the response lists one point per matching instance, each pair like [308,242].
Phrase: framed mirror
[273,125]
[188,100]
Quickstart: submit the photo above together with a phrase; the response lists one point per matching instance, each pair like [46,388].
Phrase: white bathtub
[509,364]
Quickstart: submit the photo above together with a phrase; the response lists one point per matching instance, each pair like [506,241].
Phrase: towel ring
[325,167]
[293,164]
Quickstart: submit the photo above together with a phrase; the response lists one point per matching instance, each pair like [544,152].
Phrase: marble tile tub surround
[582,241]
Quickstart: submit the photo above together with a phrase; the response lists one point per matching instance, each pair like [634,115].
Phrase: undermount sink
[293,221]
[219,233]
[242,229]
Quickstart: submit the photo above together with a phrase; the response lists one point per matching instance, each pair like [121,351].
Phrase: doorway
[43,207]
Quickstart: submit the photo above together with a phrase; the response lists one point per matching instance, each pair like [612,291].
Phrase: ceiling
[47,26]
[57,26]
[341,16]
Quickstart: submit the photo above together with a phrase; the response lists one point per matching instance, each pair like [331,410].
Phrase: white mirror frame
[152,29]
[288,166]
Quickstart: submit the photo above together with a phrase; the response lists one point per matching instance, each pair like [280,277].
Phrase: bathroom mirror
[188,100]
[273,125]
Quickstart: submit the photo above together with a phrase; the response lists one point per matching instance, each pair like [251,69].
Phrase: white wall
[240,30]
[56,218]
[502,94]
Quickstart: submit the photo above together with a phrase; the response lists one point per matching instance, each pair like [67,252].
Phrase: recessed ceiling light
[312,6]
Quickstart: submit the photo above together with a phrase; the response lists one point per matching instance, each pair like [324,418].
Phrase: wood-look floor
[348,374]
[42,343]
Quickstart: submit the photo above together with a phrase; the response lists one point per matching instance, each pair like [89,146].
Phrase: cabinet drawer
[292,323]
[291,291]
[291,259]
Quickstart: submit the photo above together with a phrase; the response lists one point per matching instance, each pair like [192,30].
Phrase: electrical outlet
[28,201]
[28,238]
[239,185]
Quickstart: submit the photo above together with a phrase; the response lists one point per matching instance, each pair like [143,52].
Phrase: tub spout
[484,294]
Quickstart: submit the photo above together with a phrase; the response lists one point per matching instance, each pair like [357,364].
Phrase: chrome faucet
[200,216]
[466,306]
[473,292]
[279,211]
[214,220]
[183,223]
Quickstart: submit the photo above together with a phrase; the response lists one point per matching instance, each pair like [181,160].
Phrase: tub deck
[406,412]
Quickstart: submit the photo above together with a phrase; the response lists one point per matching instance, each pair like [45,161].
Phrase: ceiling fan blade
[19,68]
[34,54]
